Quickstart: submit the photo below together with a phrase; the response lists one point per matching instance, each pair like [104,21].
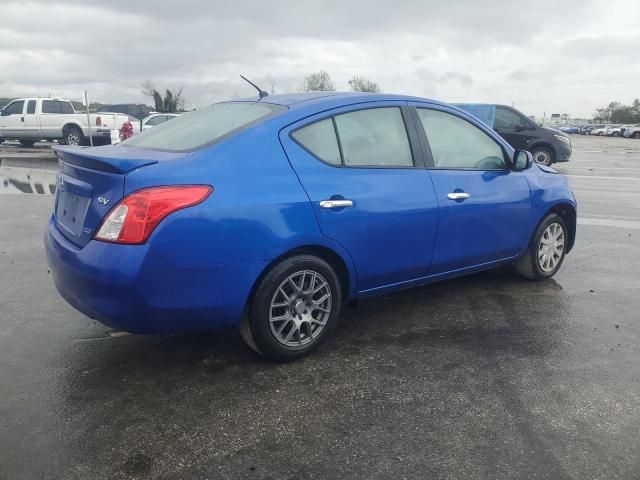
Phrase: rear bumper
[139,289]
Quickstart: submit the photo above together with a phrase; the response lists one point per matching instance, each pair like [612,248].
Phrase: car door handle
[336,203]
[458,195]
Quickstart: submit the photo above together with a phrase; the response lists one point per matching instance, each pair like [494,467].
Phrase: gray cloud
[544,55]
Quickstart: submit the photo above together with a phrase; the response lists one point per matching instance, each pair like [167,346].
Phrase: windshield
[203,127]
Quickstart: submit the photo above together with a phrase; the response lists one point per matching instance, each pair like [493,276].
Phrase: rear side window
[31,106]
[66,107]
[50,106]
[456,143]
[374,137]
[320,139]
[203,127]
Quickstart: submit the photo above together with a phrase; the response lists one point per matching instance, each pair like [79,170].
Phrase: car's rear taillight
[133,219]
[98,121]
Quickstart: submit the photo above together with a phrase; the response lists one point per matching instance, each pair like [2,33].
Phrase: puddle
[28,176]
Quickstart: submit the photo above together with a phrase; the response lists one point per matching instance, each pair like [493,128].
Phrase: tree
[173,102]
[318,82]
[361,84]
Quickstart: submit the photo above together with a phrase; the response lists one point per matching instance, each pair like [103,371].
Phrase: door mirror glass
[522,160]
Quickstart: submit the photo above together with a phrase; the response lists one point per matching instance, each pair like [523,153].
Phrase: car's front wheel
[615,134]
[27,143]
[546,250]
[294,308]
[636,135]
[543,156]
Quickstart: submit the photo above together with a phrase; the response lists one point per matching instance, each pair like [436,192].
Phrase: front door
[515,129]
[12,120]
[368,188]
[484,205]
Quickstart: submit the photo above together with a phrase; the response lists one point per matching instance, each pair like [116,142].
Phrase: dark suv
[545,144]
[137,110]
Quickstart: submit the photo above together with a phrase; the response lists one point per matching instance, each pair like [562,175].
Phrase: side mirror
[522,160]
[3,113]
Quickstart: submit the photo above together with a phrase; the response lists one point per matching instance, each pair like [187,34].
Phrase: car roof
[333,99]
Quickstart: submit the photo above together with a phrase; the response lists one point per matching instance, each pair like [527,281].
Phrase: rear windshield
[203,127]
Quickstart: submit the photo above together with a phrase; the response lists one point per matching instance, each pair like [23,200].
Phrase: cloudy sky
[558,56]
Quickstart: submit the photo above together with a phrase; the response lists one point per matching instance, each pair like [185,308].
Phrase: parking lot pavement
[487,376]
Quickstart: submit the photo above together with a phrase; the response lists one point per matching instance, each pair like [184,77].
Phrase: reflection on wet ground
[28,175]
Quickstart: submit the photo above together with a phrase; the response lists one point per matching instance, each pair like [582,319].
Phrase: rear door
[51,121]
[484,205]
[361,167]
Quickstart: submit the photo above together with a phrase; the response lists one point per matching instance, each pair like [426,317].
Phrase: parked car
[270,214]
[33,119]
[156,119]
[547,145]
[600,131]
[136,110]
[613,131]
[632,131]
[568,129]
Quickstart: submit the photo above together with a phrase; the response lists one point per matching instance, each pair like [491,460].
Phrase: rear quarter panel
[257,212]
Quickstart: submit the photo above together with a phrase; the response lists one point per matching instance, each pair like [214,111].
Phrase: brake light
[98,121]
[134,218]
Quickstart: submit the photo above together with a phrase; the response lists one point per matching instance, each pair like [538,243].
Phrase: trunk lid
[90,182]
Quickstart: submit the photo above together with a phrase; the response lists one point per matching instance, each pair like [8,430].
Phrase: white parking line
[609,222]
[602,177]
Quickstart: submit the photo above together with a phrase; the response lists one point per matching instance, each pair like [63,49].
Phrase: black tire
[615,134]
[529,264]
[256,325]
[543,156]
[635,135]
[27,143]
[73,136]
[1,140]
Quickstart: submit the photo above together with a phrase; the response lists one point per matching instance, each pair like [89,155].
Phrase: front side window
[374,137]
[31,107]
[507,120]
[203,127]
[320,139]
[14,108]
[50,106]
[456,143]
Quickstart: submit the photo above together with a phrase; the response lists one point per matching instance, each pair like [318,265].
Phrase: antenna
[261,93]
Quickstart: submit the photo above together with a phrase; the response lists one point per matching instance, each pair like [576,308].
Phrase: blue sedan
[270,214]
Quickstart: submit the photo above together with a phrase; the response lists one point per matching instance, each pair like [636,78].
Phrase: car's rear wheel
[294,308]
[543,156]
[27,143]
[546,251]
[73,136]
[636,135]
[615,134]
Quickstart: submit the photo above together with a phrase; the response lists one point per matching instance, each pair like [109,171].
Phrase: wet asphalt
[488,376]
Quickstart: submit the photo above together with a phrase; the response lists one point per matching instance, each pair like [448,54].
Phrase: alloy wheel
[73,138]
[300,308]
[551,247]
[542,156]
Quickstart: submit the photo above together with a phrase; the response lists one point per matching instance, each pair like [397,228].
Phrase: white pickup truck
[32,119]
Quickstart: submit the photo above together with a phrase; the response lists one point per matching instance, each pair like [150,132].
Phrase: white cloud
[569,56]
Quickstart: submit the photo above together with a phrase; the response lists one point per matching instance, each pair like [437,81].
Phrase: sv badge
[103,201]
